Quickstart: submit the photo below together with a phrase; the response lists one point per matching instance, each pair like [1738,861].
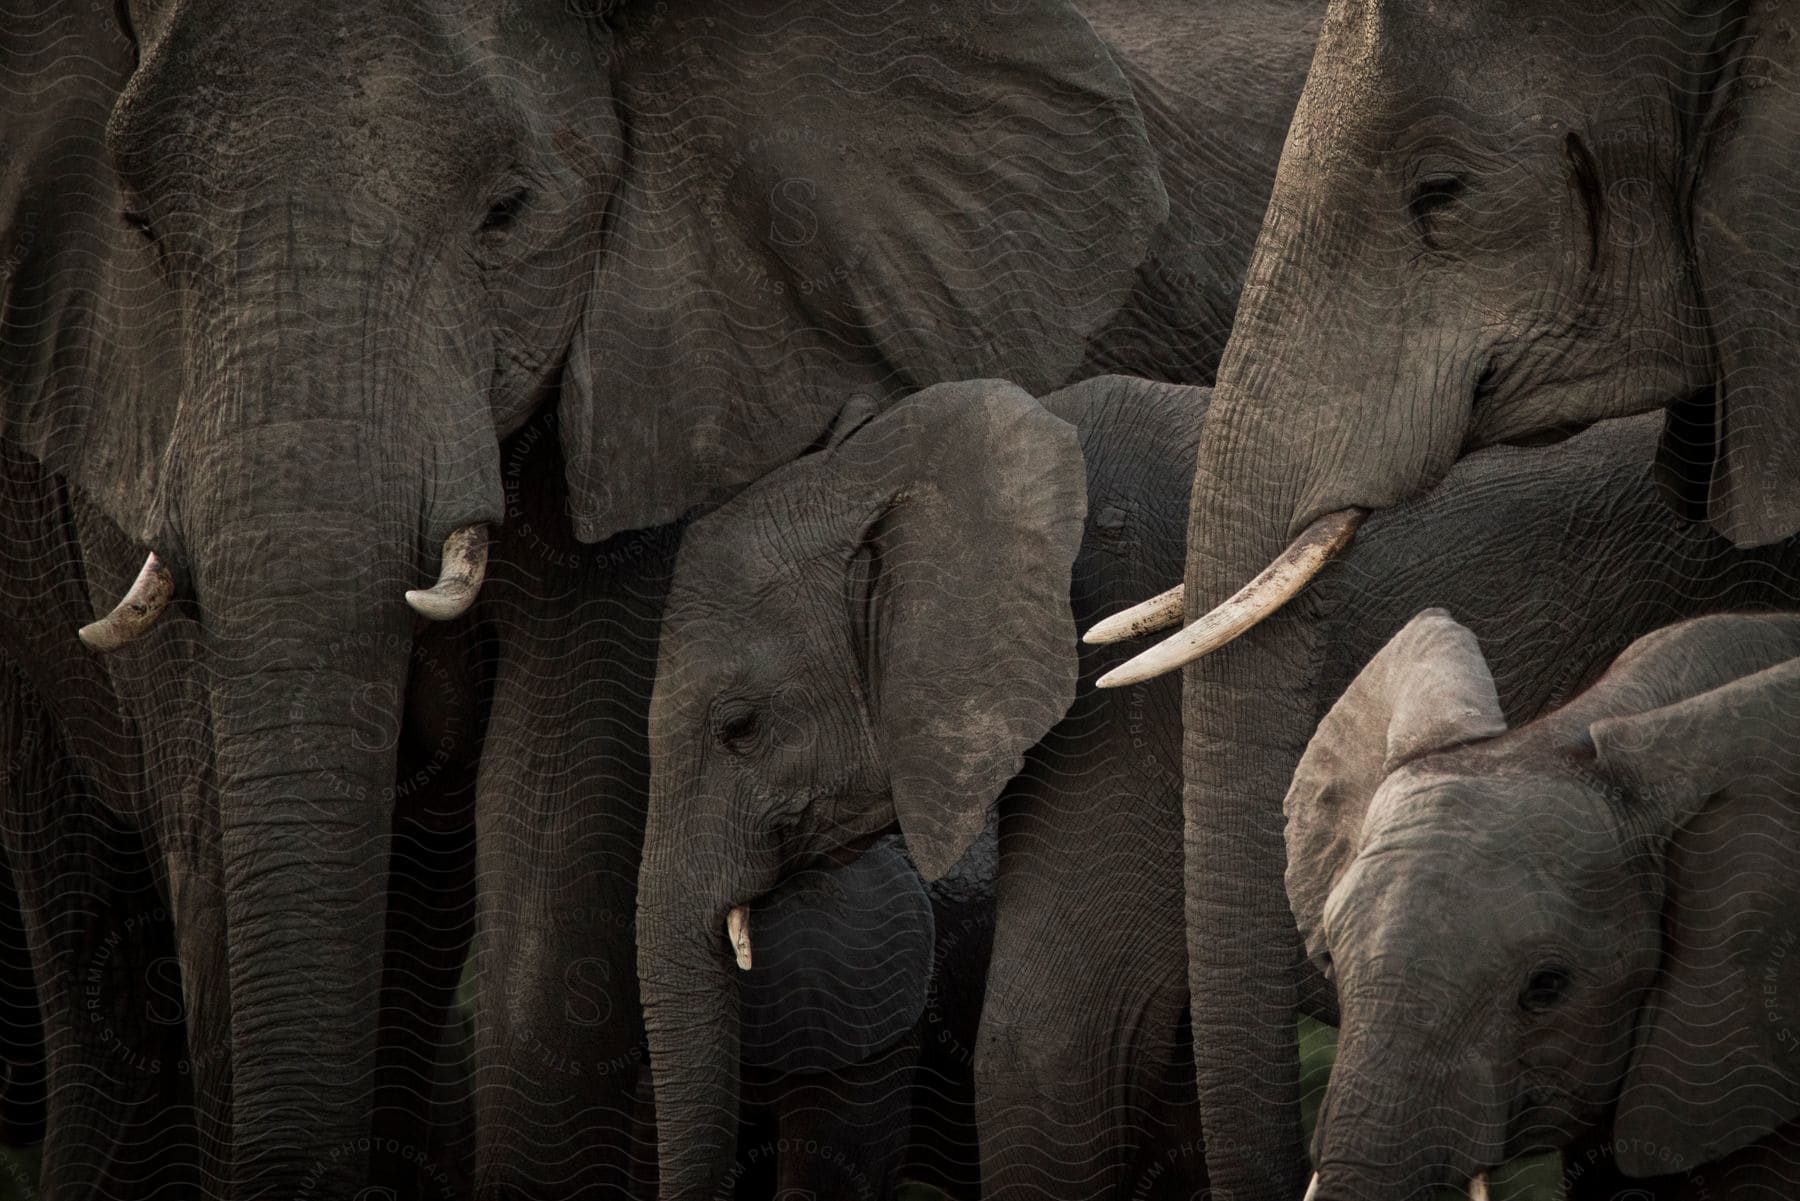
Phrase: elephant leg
[118,1119]
[21,1031]
[1084,1002]
[195,874]
[430,918]
[560,828]
[844,1133]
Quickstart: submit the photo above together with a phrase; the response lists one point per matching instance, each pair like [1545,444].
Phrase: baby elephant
[1586,927]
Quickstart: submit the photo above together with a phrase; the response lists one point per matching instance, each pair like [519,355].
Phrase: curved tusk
[1478,1188]
[1312,1190]
[459,577]
[1273,588]
[149,595]
[1158,613]
[737,929]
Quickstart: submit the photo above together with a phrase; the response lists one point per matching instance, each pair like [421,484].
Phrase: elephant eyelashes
[1544,989]
[1430,197]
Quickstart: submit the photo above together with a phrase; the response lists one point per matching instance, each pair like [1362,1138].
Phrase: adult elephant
[279,280]
[1486,226]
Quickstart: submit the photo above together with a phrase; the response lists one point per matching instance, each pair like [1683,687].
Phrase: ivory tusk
[148,596]
[1272,588]
[737,930]
[459,579]
[1312,1190]
[1478,1188]
[1158,613]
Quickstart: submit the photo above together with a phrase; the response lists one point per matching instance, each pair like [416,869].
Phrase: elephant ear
[1746,240]
[970,499]
[1427,690]
[80,325]
[821,198]
[1717,1061]
[842,965]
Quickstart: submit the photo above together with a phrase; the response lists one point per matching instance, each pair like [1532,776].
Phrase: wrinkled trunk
[1401,1121]
[1265,469]
[691,1013]
[309,645]
[307,514]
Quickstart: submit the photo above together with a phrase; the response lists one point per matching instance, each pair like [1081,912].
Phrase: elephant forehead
[335,96]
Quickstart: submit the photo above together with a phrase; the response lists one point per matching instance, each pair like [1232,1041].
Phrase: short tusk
[459,577]
[737,929]
[1478,1188]
[150,594]
[1158,613]
[1312,1190]
[1270,590]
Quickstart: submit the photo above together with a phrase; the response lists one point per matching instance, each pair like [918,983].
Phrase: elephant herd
[804,408]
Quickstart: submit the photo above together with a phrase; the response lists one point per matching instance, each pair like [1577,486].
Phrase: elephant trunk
[1287,440]
[308,643]
[691,1016]
[329,464]
[1401,1121]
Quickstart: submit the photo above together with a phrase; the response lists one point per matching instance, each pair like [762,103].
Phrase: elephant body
[1216,85]
[1571,928]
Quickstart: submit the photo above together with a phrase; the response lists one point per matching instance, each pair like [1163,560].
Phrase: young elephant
[876,635]
[1583,924]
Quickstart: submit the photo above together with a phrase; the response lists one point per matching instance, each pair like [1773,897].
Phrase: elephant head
[870,637]
[275,278]
[1534,931]
[1460,252]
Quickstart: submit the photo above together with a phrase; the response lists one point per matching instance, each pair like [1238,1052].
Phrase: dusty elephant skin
[1597,903]
[278,280]
[1461,251]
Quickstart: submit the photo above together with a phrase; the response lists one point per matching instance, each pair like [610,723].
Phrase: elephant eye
[1430,196]
[504,213]
[1544,989]
[1321,960]
[737,730]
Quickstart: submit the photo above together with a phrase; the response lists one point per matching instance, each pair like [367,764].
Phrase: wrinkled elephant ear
[821,198]
[958,592]
[1427,690]
[1746,239]
[84,336]
[843,965]
[1717,1062]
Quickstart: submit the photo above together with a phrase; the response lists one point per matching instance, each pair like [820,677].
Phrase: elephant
[1582,921]
[776,636]
[814,690]
[1461,250]
[284,287]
